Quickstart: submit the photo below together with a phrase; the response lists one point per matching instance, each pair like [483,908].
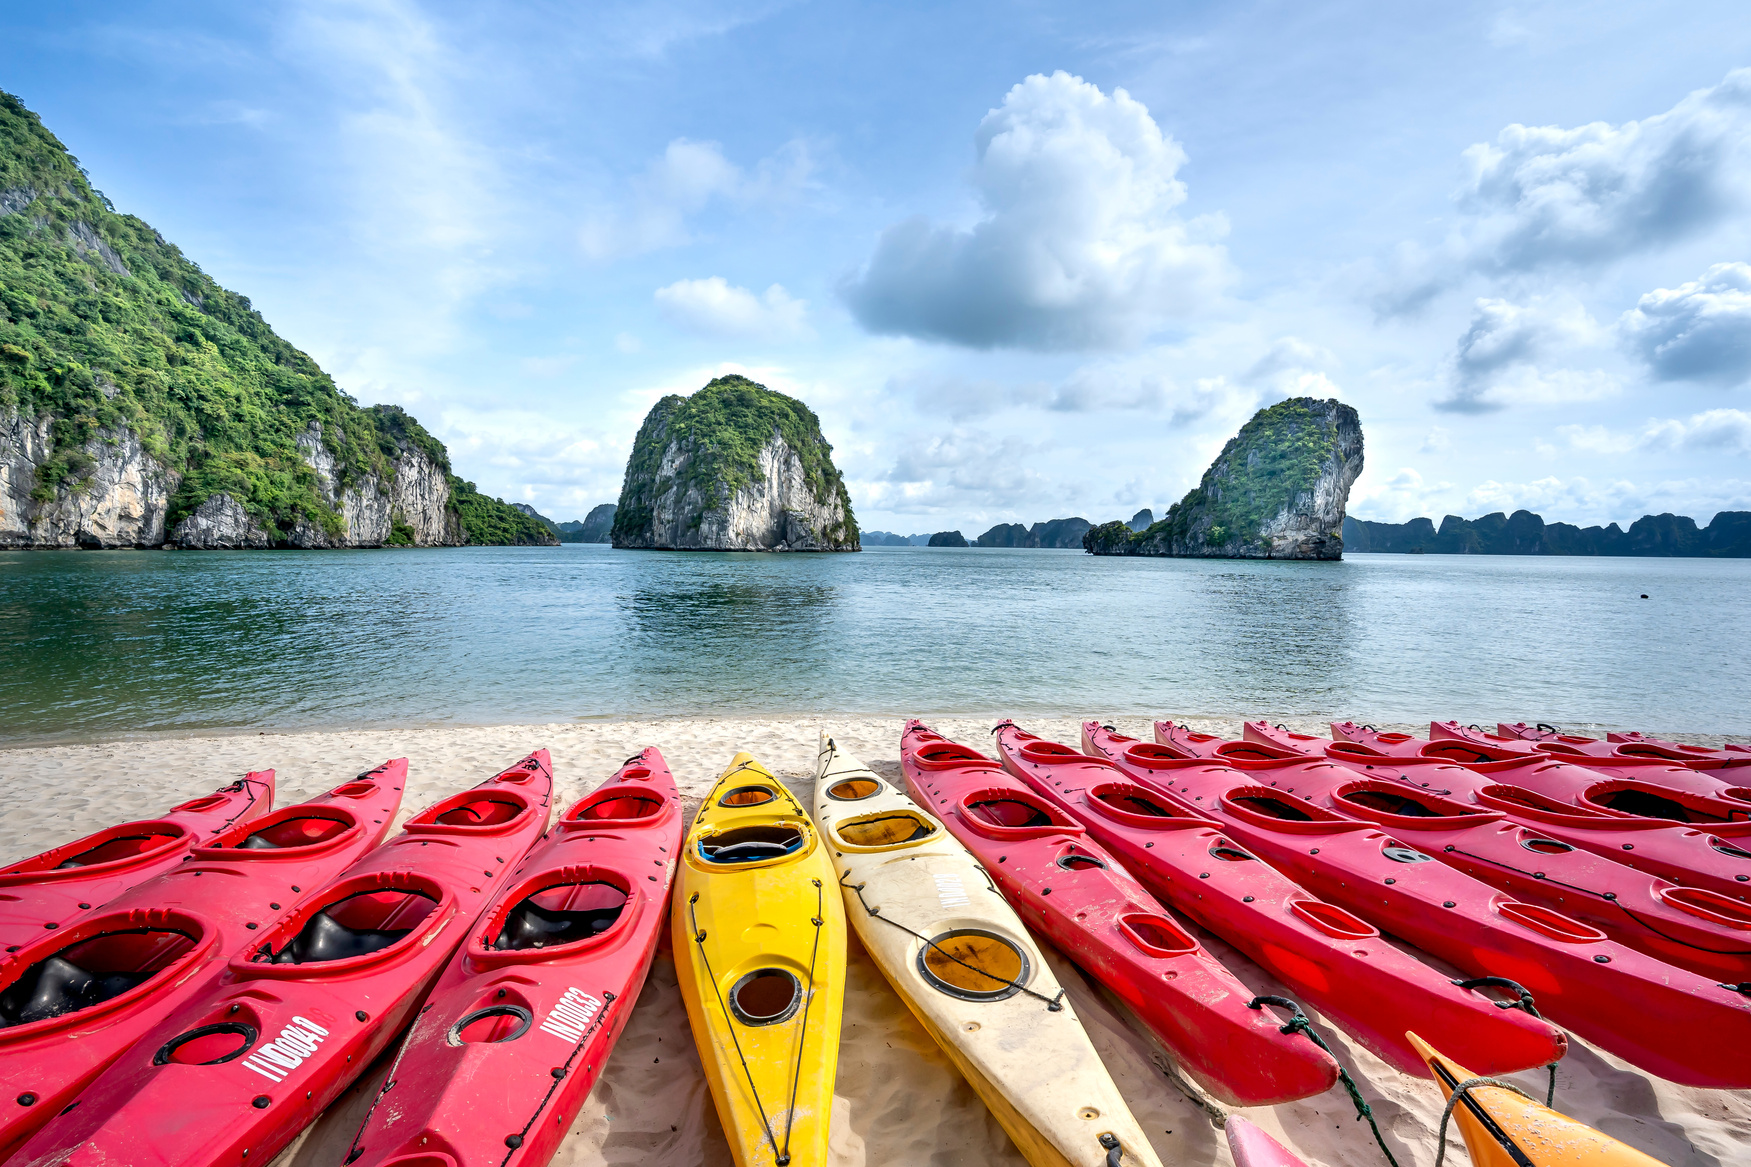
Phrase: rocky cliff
[142,405]
[1276,491]
[1058,533]
[734,467]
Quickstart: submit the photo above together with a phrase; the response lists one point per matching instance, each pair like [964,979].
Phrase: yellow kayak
[759,934]
[1503,1129]
[966,967]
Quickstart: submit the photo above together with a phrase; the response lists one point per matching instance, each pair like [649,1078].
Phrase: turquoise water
[106,644]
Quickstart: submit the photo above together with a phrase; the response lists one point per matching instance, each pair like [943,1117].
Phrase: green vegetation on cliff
[104,324]
[725,425]
[1266,473]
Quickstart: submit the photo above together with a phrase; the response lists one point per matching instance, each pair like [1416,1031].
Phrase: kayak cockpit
[883,830]
[751,844]
[354,922]
[854,789]
[95,963]
[561,914]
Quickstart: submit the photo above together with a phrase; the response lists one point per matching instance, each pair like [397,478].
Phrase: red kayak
[1690,927]
[1066,886]
[1328,958]
[1628,745]
[77,998]
[1639,825]
[1683,1027]
[1654,775]
[517,1030]
[1252,1147]
[319,992]
[51,889]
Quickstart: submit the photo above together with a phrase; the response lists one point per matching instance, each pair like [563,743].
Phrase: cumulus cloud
[1699,331]
[1716,431]
[1127,385]
[1077,247]
[1542,194]
[1495,362]
[1291,367]
[1400,498]
[962,471]
[717,307]
[682,183]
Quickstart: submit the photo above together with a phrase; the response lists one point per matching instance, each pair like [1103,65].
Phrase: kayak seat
[1391,803]
[300,831]
[1275,807]
[750,844]
[748,796]
[1010,812]
[123,847]
[1132,800]
[619,806]
[484,811]
[560,915]
[88,973]
[885,830]
[358,925]
[1651,805]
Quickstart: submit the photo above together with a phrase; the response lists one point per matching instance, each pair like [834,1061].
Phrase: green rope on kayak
[1298,1023]
[1459,1091]
[1525,1002]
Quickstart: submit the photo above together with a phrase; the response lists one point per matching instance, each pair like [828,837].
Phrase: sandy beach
[898,1099]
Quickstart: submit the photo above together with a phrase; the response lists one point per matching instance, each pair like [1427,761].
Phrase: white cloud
[961,471]
[1496,361]
[717,307]
[1136,384]
[1579,500]
[1699,331]
[1078,246]
[1543,194]
[681,184]
[1714,431]
[1398,499]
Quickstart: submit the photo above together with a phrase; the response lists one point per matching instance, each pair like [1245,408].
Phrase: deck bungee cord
[1462,1093]
[1054,1004]
[1298,1023]
[1523,1001]
[802,1041]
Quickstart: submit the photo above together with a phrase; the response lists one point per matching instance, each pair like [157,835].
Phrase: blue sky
[1025,260]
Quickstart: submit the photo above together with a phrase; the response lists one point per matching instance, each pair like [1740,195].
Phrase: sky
[1024,260]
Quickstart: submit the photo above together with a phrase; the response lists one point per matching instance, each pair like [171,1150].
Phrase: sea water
[103,644]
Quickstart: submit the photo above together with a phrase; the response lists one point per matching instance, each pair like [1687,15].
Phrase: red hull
[1683,1027]
[1328,958]
[179,928]
[1693,928]
[513,1038]
[1656,774]
[1630,745]
[1589,809]
[1070,890]
[1252,1147]
[300,1012]
[56,887]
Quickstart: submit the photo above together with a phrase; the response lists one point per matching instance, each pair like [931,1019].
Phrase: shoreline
[1222,724]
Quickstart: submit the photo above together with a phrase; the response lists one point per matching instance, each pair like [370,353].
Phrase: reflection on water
[111,643]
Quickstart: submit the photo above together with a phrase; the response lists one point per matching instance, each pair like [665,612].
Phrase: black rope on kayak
[1460,1090]
[1525,1002]
[796,1076]
[1548,728]
[1053,1004]
[1298,1023]
[699,939]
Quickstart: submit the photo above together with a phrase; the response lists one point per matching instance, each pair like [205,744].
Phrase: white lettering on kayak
[950,891]
[275,1059]
[572,1016]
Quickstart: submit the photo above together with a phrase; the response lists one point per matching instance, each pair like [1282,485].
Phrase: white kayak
[964,964]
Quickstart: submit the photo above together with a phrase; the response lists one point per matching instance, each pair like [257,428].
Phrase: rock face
[598,525]
[121,500]
[1276,491]
[947,539]
[735,467]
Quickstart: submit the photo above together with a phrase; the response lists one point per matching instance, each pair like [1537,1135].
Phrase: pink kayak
[50,890]
[1632,744]
[79,997]
[1329,959]
[1655,772]
[1690,927]
[1252,1147]
[1685,1027]
[1636,824]
[519,1027]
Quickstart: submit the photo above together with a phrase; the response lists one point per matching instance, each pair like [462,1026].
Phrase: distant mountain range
[1728,536]
[1058,533]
